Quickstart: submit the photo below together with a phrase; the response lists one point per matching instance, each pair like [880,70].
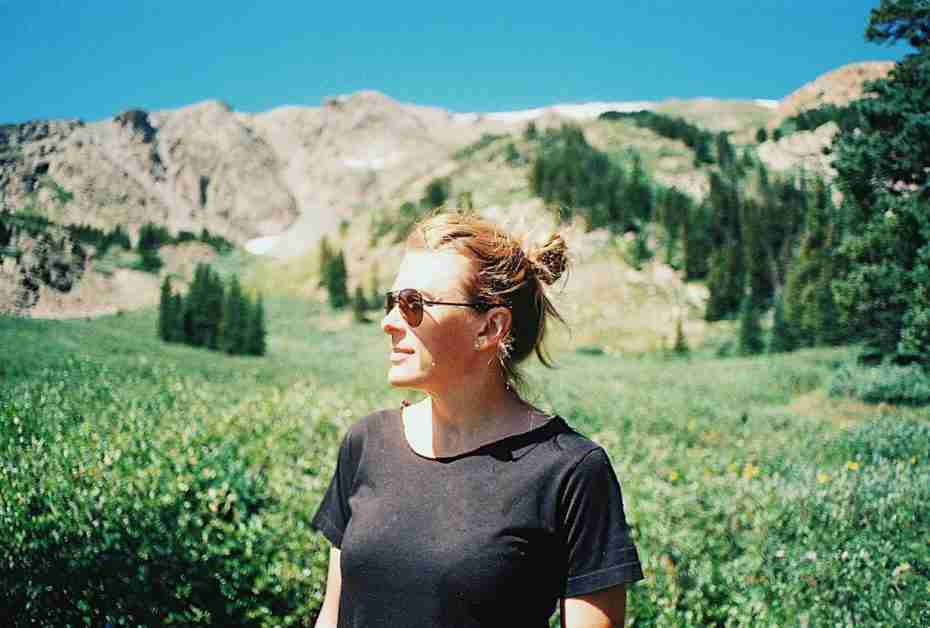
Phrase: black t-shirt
[491,537]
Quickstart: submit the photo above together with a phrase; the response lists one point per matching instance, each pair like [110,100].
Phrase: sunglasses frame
[415,316]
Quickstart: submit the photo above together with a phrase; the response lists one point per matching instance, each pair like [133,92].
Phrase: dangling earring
[477,344]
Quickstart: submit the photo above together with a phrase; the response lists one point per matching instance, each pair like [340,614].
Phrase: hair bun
[549,260]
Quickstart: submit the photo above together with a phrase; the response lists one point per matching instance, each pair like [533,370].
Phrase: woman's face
[436,354]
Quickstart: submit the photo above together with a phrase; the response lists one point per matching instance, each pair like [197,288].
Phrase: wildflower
[823,478]
[811,556]
[750,471]
[852,466]
[672,476]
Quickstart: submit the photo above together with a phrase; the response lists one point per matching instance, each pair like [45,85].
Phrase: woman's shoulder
[567,447]
[364,427]
[572,442]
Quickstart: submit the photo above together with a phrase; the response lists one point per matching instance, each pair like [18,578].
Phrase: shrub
[891,440]
[888,383]
[127,498]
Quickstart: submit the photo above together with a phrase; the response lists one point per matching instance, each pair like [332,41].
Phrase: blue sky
[62,59]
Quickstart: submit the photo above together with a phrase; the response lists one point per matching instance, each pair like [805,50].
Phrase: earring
[477,344]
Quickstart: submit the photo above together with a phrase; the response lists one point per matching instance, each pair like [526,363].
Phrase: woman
[471,507]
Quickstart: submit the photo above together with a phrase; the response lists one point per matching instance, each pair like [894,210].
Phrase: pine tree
[336,282]
[233,330]
[256,332]
[177,308]
[883,169]
[762,135]
[681,342]
[195,322]
[750,331]
[809,306]
[782,339]
[726,156]
[166,315]
[213,309]
[725,283]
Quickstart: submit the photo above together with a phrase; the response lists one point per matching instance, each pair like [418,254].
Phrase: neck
[479,410]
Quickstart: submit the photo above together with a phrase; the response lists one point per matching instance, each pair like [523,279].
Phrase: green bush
[887,383]
[125,498]
[893,440]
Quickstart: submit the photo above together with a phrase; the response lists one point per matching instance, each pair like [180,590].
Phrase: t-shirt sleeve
[333,514]
[600,552]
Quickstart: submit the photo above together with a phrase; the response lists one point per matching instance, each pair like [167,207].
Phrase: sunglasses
[411,302]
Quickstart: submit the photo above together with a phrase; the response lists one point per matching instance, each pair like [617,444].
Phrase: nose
[392,321]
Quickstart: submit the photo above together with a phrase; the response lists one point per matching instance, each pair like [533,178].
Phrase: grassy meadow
[151,484]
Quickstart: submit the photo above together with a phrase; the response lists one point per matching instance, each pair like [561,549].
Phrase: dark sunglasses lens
[410,303]
[411,306]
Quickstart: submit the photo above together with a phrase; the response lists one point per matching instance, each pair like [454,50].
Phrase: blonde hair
[505,274]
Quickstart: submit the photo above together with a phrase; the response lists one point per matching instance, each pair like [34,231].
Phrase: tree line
[212,315]
[758,241]
[698,139]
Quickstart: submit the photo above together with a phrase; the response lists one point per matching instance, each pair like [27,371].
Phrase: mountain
[277,181]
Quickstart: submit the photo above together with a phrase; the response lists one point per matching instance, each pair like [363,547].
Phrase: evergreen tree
[177,309]
[213,309]
[640,253]
[436,194]
[195,314]
[750,331]
[150,261]
[726,275]
[696,242]
[166,315]
[681,342]
[256,343]
[234,332]
[337,280]
[726,156]
[639,192]
[782,339]
[762,135]
[883,170]
[809,306]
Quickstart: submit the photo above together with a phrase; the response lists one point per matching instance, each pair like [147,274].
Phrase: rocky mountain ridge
[287,176]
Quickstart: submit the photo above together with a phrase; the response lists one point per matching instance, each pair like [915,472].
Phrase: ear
[496,326]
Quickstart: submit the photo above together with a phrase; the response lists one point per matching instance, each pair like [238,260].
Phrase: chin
[400,380]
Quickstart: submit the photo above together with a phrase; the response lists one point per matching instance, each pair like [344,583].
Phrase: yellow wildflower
[672,476]
[750,471]
[852,466]
[822,478]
